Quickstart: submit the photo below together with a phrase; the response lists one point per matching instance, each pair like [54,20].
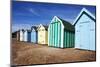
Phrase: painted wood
[22,35]
[59,35]
[27,36]
[42,34]
[18,35]
[85,30]
[34,34]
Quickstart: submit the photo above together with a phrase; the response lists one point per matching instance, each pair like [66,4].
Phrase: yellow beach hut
[42,34]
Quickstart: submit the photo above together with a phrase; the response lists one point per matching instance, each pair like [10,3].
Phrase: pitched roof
[34,27]
[67,25]
[84,11]
[14,32]
[45,26]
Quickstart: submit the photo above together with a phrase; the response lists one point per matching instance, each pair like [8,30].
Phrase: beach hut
[42,34]
[21,35]
[34,34]
[85,30]
[27,36]
[18,35]
[61,33]
[14,34]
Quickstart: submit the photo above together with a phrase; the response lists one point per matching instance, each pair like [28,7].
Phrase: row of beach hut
[36,34]
[63,34]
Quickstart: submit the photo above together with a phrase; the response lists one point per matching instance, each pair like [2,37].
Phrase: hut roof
[45,26]
[86,12]
[34,27]
[67,25]
[14,33]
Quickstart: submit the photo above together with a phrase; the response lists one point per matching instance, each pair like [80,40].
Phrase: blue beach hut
[85,30]
[34,34]
[27,36]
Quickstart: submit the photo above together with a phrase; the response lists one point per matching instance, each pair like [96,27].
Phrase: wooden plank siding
[58,36]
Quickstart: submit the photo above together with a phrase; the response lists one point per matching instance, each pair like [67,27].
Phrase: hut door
[25,35]
[77,38]
[85,39]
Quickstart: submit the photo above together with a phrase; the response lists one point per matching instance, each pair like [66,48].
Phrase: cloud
[33,12]
[16,27]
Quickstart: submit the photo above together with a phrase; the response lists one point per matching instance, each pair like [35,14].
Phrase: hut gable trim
[55,17]
[84,11]
[45,27]
[67,25]
[40,27]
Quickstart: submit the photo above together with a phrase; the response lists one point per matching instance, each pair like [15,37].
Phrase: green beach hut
[61,33]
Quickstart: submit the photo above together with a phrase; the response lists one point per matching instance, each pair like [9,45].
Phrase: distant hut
[34,34]
[42,34]
[14,34]
[18,35]
[22,35]
[27,35]
[61,33]
[85,30]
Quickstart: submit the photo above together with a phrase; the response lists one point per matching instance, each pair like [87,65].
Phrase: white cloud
[16,27]
[33,11]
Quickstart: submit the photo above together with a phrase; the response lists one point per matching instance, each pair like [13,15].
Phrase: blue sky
[26,14]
